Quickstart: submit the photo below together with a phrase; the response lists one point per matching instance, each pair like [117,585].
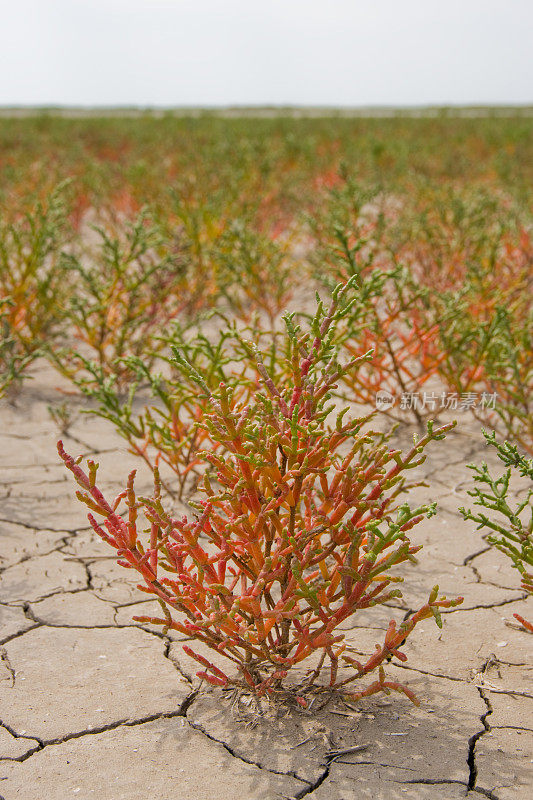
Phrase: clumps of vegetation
[166,267]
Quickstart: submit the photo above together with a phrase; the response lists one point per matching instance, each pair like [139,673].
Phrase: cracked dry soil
[92,705]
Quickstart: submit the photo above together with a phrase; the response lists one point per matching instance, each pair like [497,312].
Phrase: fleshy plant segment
[301,526]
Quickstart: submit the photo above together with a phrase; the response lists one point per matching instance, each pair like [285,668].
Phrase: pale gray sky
[258,52]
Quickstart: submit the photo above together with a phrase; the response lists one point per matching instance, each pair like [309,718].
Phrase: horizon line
[252,109]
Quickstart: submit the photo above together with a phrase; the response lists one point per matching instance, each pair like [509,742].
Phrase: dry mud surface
[93,705]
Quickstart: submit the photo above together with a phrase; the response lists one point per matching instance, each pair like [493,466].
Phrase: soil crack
[35,529]
[15,735]
[231,751]
[311,788]
[20,633]
[4,658]
[180,712]
[472,742]
[426,672]
[448,781]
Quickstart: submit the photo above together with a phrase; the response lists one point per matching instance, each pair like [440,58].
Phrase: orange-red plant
[404,357]
[301,526]
[389,317]
[391,314]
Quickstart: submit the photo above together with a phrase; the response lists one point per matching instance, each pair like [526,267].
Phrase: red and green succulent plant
[301,526]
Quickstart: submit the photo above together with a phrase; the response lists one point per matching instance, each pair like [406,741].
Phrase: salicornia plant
[33,289]
[509,377]
[13,359]
[254,272]
[390,317]
[301,525]
[510,523]
[127,292]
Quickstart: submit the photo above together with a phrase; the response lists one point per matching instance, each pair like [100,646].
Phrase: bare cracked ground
[94,705]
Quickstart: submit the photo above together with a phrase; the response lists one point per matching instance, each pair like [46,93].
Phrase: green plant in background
[255,273]
[465,340]
[509,377]
[351,235]
[510,523]
[33,288]
[490,356]
[13,361]
[126,293]
[162,428]
[63,415]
